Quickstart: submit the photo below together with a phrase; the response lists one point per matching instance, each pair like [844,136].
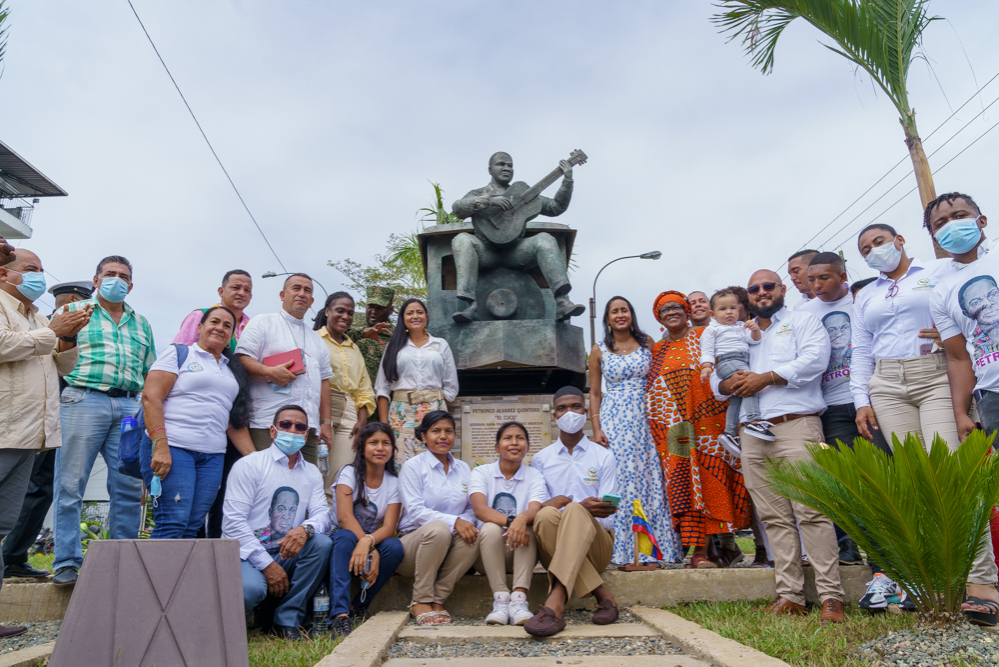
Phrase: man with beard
[700,309]
[372,330]
[786,375]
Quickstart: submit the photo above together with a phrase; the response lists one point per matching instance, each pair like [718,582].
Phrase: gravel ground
[38,633]
[580,617]
[532,648]
[929,647]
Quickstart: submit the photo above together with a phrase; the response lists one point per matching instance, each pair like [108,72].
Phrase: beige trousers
[342,449]
[573,547]
[496,560]
[436,558]
[778,513]
[913,395]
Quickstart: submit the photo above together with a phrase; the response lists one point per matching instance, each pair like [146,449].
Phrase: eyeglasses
[892,291]
[287,425]
[767,287]
[670,309]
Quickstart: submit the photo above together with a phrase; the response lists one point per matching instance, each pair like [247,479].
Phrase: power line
[854,202]
[205,136]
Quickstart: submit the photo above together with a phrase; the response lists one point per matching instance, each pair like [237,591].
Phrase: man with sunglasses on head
[269,494]
[786,375]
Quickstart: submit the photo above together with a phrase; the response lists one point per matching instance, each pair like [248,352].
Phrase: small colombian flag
[643,532]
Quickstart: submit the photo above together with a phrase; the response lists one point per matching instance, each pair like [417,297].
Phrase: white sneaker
[501,609]
[761,431]
[731,444]
[519,613]
[881,591]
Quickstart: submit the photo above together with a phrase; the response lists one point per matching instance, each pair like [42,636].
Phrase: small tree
[878,36]
[920,517]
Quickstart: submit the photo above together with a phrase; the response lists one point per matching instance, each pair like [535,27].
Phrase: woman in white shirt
[439,538]
[417,375]
[195,396]
[898,376]
[506,495]
[365,513]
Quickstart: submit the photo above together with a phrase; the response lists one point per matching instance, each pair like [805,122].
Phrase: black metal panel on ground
[156,602]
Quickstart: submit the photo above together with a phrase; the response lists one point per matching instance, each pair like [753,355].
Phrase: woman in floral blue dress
[622,360]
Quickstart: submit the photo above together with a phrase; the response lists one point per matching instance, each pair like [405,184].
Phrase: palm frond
[4,14]
[437,213]
[879,36]
[920,516]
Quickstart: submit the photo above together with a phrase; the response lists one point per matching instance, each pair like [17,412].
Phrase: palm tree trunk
[924,179]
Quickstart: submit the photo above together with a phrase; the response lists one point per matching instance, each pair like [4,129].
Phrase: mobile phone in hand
[611,498]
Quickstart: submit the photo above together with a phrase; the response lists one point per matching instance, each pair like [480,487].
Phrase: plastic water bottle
[128,424]
[321,609]
[324,458]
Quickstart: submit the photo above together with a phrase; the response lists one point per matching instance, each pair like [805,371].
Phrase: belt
[788,418]
[418,396]
[118,393]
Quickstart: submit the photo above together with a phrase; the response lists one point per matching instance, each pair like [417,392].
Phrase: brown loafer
[832,611]
[605,614]
[545,623]
[782,605]
[11,630]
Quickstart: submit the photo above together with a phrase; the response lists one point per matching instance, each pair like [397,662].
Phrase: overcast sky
[332,118]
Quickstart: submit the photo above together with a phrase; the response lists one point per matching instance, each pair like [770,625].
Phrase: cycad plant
[878,36]
[920,516]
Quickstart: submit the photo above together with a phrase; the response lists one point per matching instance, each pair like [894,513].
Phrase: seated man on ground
[266,500]
[573,529]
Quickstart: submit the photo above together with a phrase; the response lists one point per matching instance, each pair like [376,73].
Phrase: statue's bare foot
[467,315]
[567,309]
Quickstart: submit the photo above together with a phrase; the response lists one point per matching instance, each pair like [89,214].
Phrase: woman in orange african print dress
[704,483]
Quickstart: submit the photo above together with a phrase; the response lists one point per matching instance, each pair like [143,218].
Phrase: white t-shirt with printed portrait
[509,496]
[837,320]
[371,515]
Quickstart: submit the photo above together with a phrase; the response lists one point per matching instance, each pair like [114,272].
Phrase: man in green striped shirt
[116,352]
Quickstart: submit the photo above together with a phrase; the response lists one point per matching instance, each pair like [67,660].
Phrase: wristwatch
[310,530]
[326,422]
[68,339]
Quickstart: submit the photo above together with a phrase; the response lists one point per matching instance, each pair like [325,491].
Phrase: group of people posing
[324,447]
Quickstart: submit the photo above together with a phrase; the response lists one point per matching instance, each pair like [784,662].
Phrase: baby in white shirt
[725,350]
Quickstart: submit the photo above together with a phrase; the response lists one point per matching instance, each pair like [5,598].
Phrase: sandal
[699,562]
[986,618]
[427,618]
[443,616]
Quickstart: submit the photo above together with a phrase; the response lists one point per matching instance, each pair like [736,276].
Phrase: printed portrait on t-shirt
[979,300]
[837,325]
[366,513]
[284,508]
[505,504]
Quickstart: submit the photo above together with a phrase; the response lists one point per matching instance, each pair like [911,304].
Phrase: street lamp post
[655,254]
[271,274]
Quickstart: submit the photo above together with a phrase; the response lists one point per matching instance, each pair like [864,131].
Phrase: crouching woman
[439,538]
[505,496]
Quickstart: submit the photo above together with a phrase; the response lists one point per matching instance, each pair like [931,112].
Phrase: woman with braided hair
[704,485]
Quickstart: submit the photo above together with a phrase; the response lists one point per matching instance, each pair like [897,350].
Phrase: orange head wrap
[671,296]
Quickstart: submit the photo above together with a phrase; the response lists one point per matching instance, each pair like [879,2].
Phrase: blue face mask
[289,443]
[32,284]
[959,236]
[114,289]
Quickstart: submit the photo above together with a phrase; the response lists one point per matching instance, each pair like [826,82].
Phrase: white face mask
[884,258]
[571,422]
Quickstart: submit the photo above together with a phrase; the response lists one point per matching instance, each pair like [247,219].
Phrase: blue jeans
[344,541]
[189,490]
[727,365]
[305,572]
[91,425]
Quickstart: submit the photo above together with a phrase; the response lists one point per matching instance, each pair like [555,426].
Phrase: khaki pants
[342,449]
[496,560]
[436,558]
[913,395]
[778,513]
[573,547]
[261,438]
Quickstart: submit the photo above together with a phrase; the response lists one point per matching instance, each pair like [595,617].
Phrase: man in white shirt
[266,501]
[787,368]
[965,309]
[574,528]
[274,386]
[797,268]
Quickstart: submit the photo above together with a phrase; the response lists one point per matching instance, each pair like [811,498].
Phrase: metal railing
[19,207]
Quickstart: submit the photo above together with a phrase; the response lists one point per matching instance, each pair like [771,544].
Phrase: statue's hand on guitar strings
[566,169]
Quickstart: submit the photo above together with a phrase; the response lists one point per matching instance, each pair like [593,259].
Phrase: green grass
[269,651]
[41,561]
[800,641]
[746,544]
